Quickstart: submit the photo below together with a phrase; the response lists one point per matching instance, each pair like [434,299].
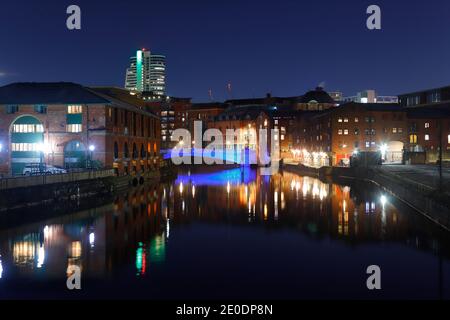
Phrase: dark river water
[229,234]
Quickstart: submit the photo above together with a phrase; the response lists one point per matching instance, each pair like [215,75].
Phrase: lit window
[345,119]
[367,144]
[28,128]
[412,138]
[427,137]
[74,128]
[394,130]
[448,138]
[427,125]
[400,130]
[356,120]
[340,120]
[282,137]
[24,147]
[74,109]
[346,132]
[340,131]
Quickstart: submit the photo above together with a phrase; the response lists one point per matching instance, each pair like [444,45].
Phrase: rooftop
[48,93]
[437,111]
[318,95]
[422,91]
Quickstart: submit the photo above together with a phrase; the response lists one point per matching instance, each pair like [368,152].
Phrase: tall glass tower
[147,74]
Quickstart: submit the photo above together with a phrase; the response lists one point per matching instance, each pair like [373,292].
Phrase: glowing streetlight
[383,200]
[383,150]
[92,239]
[44,147]
[91,148]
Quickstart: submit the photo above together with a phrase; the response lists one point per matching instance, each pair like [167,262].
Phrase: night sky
[283,47]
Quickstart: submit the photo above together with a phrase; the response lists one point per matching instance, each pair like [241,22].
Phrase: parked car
[42,169]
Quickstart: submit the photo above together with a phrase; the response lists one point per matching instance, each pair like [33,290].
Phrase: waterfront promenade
[426,175]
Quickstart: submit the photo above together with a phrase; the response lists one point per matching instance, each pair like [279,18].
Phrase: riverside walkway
[426,175]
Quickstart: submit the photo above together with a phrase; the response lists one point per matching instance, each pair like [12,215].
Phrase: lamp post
[91,154]
[440,154]
[43,149]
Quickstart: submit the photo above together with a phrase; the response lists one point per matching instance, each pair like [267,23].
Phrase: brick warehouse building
[331,137]
[173,114]
[68,125]
[428,124]
[428,131]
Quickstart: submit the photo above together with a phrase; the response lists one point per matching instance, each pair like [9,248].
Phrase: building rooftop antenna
[229,90]
[210,94]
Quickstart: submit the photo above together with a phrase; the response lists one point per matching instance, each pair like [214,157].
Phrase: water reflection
[319,207]
[132,236]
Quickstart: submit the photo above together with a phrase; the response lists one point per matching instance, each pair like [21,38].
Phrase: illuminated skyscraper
[147,74]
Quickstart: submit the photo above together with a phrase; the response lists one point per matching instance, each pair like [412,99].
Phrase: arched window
[27,143]
[135,151]
[116,150]
[143,153]
[126,152]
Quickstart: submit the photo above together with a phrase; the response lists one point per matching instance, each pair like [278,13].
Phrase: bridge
[244,157]
[233,176]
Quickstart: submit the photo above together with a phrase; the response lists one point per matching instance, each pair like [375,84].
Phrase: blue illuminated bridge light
[243,175]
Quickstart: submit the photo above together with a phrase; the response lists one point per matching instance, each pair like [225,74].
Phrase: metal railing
[37,180]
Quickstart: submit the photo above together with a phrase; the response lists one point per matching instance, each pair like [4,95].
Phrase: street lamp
[43,148]
[383,150]
[91,149]
[383,200]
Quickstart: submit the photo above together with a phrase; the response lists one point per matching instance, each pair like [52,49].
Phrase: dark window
[12,109]
[40,109]
[135,151]
[126,152]
[116,150]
